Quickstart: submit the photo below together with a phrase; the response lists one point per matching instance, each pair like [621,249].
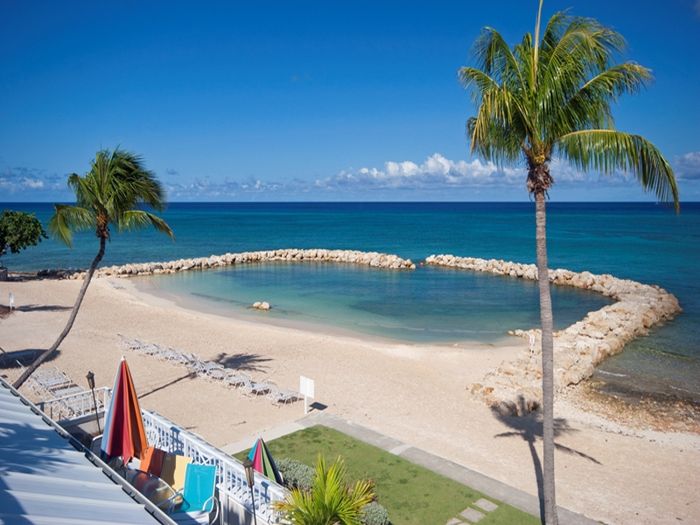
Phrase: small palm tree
[330,501]
[551,97]
[108,195]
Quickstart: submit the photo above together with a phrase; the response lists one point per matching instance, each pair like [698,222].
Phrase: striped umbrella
[263,462]
[124,434]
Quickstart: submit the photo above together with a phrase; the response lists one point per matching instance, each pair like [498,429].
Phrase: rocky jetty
[515,386]
[373,259]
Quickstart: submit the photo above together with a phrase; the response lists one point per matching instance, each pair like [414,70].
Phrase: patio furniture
[198,500]
[193,503]
[250,387]
[152,460]
[281,396]
[236,378]
[174,470]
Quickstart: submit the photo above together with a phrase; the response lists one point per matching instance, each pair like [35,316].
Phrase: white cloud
[436,171]
[435,177]
[688,166]
[33,184]
[20,180]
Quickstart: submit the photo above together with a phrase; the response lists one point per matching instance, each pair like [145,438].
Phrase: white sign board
[306,386]
[306,389]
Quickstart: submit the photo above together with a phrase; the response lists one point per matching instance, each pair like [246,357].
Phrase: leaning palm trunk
[106,196]
[547,321]
[74,313]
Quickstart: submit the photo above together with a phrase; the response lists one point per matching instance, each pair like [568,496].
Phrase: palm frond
[67,219]
[495,58]
[608,151]
[136,219]
[590,106]
[330,500]
[481,82]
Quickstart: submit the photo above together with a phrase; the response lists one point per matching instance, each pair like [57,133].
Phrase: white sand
[414,393]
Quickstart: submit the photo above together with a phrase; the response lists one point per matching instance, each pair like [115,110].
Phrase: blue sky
[304,100]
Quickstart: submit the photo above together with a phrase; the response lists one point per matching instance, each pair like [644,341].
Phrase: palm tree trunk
[74,313]
[546,318]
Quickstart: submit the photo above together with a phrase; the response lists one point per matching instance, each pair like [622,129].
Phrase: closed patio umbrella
[124,433]
[263,462]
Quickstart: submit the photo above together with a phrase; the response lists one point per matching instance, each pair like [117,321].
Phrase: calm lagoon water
[644,242]
[426,305]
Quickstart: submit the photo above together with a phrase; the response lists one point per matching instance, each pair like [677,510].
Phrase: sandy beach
[414,393]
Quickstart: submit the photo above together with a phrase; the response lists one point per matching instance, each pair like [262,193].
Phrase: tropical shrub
[296,474]
[330,500]
[374,514]
[18,231]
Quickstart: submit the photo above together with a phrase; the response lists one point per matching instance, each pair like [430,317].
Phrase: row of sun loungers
[214,371]
[55,387]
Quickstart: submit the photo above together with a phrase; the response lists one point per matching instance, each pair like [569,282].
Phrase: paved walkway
[489,486]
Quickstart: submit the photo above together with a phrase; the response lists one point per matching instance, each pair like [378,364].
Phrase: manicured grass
[413,495]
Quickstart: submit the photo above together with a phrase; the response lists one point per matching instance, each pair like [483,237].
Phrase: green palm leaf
[330,501]
[68,219]
[607,150]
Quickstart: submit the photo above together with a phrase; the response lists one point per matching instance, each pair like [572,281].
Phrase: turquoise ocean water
[644,242]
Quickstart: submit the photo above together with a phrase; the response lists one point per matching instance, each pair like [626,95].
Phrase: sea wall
[516,385]
[372,259]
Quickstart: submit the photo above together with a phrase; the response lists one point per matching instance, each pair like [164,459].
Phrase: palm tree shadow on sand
[18,358]
[243,361]
[530,428]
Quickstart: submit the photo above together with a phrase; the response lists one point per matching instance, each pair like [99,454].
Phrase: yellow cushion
[173,472]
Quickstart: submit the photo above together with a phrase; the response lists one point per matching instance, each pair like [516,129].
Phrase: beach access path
[415,394]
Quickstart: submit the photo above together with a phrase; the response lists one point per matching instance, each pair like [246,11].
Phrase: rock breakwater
[515,386]
[372,259]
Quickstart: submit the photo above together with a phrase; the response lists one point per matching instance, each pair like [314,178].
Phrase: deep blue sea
[640,241]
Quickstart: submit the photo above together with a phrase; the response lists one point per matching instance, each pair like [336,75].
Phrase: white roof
[44,479]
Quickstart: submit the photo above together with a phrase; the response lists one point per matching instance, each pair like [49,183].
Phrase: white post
[306,388]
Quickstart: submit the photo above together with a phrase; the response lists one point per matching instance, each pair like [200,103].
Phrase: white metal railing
[231,478]
[76,405]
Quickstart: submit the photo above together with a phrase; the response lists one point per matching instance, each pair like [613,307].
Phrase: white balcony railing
[77,405]
[234,493]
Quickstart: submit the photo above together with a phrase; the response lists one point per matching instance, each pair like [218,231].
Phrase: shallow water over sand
[432,305]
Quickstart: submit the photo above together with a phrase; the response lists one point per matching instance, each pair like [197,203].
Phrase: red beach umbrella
[124,433]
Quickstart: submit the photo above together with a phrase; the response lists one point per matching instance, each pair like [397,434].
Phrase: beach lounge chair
[210,369]
[52,378]
[254,388]
[216,373]
[236,378]
[281,396]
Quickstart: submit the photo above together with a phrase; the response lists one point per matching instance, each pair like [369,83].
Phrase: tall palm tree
[108,195]
[551,97]
[330,501]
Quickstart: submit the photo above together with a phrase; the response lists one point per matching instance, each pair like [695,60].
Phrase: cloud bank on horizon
[435,177]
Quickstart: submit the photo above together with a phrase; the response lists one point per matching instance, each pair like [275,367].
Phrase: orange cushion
[152,460]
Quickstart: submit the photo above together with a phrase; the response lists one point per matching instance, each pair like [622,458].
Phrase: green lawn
[413,495]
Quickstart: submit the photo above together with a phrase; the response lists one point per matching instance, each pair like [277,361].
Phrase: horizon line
[383,202]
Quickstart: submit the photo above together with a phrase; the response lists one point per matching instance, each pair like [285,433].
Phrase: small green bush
[296,475]
[374,514]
